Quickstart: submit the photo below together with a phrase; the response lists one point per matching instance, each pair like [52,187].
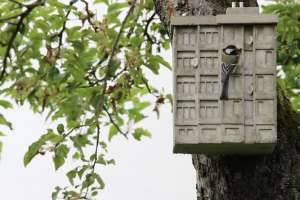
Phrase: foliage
[288,45]
[83,62]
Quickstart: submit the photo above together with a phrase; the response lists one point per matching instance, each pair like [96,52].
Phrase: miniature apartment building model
[245,122]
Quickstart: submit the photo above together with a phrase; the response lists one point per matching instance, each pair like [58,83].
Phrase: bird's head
[231,50]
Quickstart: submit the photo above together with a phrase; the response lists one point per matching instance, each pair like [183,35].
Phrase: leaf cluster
[83,63]
[288,56]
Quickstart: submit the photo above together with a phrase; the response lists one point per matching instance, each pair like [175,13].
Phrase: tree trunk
[263,177]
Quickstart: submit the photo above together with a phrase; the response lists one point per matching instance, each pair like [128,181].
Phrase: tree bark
[262,177]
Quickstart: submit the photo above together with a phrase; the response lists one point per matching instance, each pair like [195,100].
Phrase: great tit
[230,58]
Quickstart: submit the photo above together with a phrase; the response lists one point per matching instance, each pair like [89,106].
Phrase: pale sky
[145,170]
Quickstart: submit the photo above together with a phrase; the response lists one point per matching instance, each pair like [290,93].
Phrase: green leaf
[58,161]
[101,160]
[76,155]
[149,4]
[3,121]
[60,128]
[82,170]
[72,175]
[101,1]
[93,157]
[153,66]
[32,151]
[103,145]
[74,33]
[61,153]
[1,134]
[115,64]
[166,45]
[42,24]
[57,4]
[89,180]
[139,132]
[94,193]
[5,104]
[136,41]
[159,59]
[99,180]
[111,162]
[112,132]
[136,115]
[116,7]
[55,193]
[80,140]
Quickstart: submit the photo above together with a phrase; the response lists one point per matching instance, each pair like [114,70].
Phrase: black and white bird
[230,58]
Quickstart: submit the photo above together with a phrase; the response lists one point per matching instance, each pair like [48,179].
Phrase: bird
[230,58]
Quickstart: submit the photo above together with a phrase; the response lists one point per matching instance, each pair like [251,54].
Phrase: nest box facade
[245,122]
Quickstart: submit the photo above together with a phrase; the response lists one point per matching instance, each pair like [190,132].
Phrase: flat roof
[224,19]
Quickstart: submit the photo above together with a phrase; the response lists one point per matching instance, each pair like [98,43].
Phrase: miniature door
[245,123]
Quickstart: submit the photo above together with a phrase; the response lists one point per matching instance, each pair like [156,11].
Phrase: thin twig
[119,73]
[10,44]
[75,128]
[104,87]
[96,148]
[114,77]
[147,86]
[89,15]
[70,132]
[60,34]
[96,155]
[146,28]
[118,37]
[114,123]
[114,48]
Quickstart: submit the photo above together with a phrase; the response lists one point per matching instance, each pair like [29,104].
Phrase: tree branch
[114,123]
[70,132]
[60,34]
[147,26]
[119,35]
[89,15]
[96,148]
[96,157]
[100,106]
[119,73]
[15,33]
[147,85]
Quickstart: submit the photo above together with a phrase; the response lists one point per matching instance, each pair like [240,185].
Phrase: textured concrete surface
[246,122]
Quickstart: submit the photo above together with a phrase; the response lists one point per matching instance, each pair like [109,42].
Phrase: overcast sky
[145,170]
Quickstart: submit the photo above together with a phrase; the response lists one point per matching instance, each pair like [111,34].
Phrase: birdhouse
[244,121]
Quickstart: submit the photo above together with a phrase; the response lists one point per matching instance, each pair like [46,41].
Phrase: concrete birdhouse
[225,83]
